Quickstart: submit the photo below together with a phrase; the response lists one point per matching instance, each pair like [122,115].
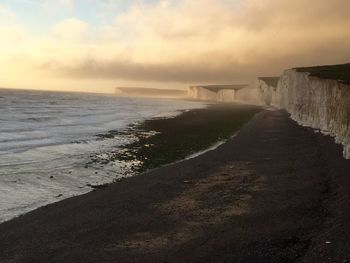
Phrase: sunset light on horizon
[94,45]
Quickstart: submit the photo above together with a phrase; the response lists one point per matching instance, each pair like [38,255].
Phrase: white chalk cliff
[251,95]
[226,95]
[260,92]
[317,97]
[319,103]
[201,93]
[223,93]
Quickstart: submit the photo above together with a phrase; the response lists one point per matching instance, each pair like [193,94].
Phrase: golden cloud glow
[178,42]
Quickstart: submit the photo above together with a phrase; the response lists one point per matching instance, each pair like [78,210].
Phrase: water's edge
[142,144]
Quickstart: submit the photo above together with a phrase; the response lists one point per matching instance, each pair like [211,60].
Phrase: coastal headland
[277,192]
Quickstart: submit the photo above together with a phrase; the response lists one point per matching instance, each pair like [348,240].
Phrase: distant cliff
[317,97]
[260,92]
[149,92]
[223,93]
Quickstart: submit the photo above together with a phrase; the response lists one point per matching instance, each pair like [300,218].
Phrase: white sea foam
[47,138]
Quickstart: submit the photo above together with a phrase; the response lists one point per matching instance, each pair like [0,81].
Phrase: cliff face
[261,92]
[313,101]
[318,103]
[226,95]
[200,93]
[250,95]
[268,90]
[222,93]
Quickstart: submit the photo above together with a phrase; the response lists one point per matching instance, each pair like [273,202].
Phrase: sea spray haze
[48,139]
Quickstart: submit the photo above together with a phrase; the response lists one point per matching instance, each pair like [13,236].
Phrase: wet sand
[277,192]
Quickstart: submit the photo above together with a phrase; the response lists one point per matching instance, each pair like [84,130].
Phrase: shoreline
[277,192]
[151,139]
[45,150]
[163,141]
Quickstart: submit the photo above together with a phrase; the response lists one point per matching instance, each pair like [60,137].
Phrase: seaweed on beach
[162,141]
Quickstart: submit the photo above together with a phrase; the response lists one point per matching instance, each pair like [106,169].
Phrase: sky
[97,45]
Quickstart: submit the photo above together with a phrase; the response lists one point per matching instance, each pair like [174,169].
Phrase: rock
[60,195]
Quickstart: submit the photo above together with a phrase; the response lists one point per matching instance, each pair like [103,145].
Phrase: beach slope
[277,192]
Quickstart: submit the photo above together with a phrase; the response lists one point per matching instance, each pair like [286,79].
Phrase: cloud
[215,41]
[50,4]
[10,35]
[7,16]
[188,41]
[152,72]
[71,29]
[10,30]
[58,4]
[6,12]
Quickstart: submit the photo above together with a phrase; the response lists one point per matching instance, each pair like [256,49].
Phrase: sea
[48,138]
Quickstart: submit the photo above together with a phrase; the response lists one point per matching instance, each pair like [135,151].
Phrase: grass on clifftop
[341,73]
